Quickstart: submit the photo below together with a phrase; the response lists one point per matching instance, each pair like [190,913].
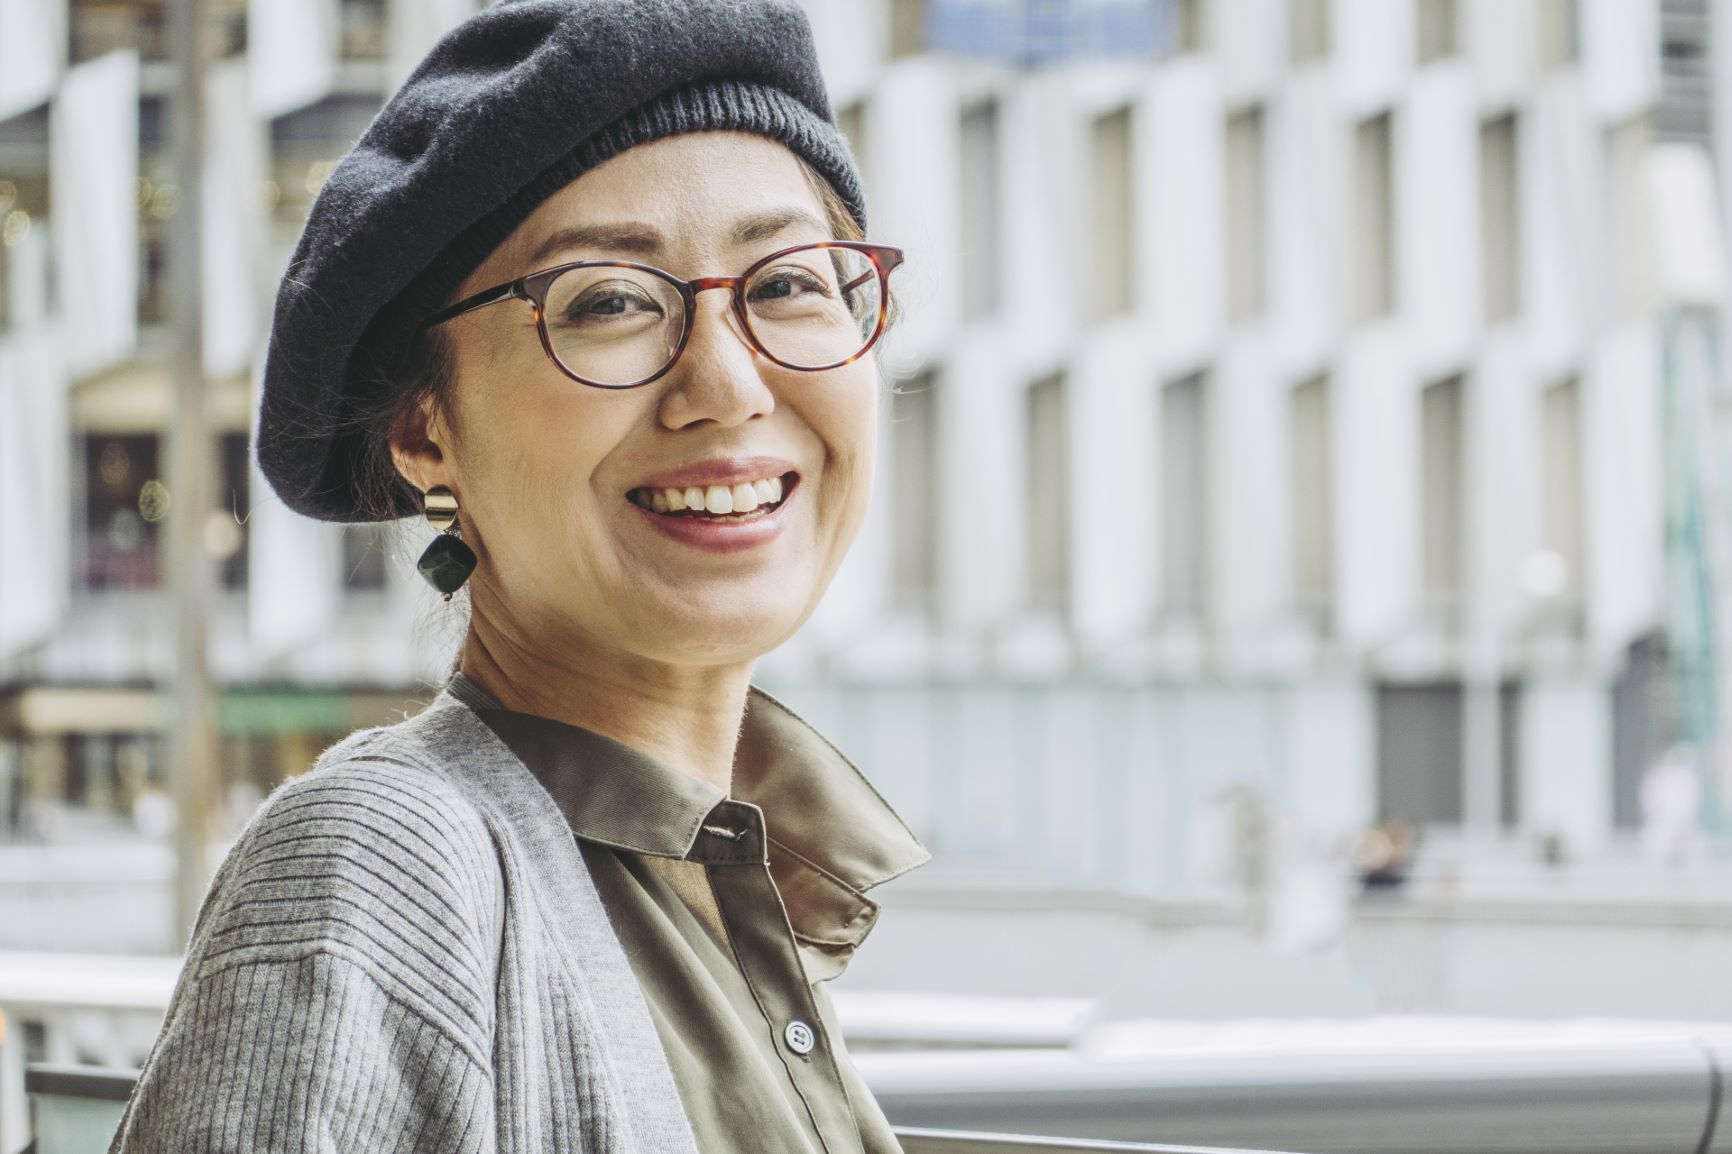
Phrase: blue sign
[1033,32]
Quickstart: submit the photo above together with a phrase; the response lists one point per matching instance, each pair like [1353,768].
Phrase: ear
[418,448]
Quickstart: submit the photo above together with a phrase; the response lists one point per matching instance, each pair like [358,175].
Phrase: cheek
[533,468]
[850,432]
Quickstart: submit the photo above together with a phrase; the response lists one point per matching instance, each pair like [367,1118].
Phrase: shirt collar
[831,835]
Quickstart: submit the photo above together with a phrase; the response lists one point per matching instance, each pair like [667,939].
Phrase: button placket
[770,963]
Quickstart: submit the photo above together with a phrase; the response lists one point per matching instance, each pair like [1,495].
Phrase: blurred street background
[1300,583]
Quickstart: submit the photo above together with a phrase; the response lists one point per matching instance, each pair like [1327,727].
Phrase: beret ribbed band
[507,109]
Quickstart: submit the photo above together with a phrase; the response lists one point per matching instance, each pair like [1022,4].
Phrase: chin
[711,632]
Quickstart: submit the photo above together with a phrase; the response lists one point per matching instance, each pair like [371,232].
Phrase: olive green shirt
[734,909]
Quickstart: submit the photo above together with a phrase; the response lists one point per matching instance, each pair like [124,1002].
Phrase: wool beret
[507,108]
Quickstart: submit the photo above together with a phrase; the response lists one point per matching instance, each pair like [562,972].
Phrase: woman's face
[545,468]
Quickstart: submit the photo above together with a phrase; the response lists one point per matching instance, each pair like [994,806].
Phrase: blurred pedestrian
[1671,801]
[1384,854]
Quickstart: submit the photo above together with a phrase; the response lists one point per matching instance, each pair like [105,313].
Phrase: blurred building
[314,628]
[1280,412]
[1284,412]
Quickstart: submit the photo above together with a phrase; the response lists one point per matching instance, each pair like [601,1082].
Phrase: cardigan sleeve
[309,1056]
[338,993]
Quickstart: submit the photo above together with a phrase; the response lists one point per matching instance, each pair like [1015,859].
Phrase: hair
[425,375]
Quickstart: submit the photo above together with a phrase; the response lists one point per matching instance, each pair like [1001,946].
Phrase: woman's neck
[687,717]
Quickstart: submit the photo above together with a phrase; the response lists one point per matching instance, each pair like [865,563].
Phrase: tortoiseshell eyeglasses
[616,325]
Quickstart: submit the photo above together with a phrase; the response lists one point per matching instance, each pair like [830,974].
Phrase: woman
[590,294]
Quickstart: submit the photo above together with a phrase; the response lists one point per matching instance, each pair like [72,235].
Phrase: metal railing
[916,1141]
[78,1109]
[1609,1097]
[945,1069]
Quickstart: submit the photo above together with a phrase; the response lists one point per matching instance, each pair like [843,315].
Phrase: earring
[447,561]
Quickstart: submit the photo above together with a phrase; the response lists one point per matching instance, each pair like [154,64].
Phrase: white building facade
[1284,412]
[1278,413]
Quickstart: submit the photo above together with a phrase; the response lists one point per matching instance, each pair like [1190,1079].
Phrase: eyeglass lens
[810,309]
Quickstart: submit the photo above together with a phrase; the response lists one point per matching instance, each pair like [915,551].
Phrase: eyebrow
[640,239]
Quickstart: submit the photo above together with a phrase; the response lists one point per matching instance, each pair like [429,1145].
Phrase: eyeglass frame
[532,287]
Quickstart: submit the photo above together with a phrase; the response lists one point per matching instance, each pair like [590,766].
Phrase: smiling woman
[588,899]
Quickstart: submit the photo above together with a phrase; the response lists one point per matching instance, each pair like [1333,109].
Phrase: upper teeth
[740,498]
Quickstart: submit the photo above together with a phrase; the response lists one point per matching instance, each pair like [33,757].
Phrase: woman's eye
[788,284]
[611,301]
[612,305]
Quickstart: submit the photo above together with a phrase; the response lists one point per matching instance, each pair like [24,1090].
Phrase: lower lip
[720,536]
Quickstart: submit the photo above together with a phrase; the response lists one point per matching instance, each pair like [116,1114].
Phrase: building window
[364,34]
[1421,753]
[98,27]
[851,119]
[106,772]
[1373,259]
[158,195]
[1112,241]
[1643,722]
[981,266]
[1627,146]
[124,502]
[1559,34]
[1500,219]
[26,248]
[1310,30]
[1442,571]
[90,772]
[364,556]
[1184,534]
[1687,109]
[1246,231]
[35,1035]
[1047,497]
[1435,27]
[1191,26]
[907,27]
[1313,506]
[1554,577]
[226,528]
[15,225]
[915,492]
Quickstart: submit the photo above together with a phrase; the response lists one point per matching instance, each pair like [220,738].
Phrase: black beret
[507,108]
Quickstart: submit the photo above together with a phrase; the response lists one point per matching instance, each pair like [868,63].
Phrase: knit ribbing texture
[404,952]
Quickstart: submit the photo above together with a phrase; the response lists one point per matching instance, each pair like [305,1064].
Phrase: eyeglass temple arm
[503,292]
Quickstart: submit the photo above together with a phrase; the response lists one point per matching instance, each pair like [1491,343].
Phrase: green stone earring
[447,561]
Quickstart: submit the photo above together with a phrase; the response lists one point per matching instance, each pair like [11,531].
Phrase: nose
[718,377]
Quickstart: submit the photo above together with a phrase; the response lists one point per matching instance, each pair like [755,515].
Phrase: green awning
[246,713]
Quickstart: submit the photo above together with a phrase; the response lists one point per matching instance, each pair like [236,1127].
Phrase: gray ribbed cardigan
[403,951]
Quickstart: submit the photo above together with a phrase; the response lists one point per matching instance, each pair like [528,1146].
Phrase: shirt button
[799,1037]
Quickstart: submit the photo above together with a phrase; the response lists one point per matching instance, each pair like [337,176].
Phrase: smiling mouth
[746,501]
